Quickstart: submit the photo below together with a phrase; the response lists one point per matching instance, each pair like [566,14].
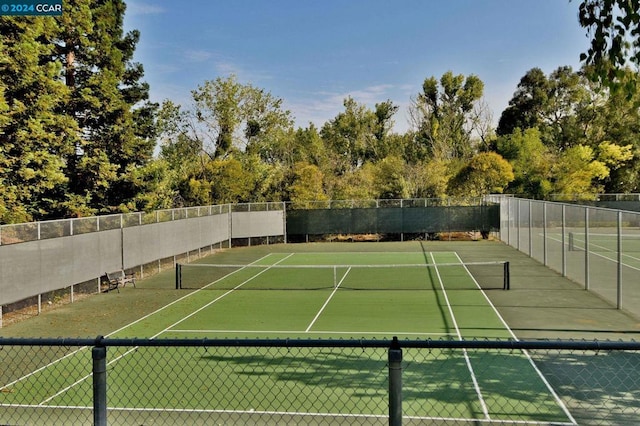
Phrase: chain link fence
[596,247]
[317,382]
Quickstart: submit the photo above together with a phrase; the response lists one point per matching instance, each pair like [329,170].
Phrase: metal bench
[119,278]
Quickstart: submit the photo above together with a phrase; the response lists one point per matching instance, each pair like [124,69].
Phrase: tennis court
[606,246]
[345,295]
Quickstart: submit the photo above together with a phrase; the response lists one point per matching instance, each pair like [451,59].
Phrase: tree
[178,146]
[531,161]
[36,135]
[268,128]
[230,124]
[350,137]
[157,180]
[560,106]
[428,179]
[108,101]
[382,144]
[218,108]
[229,181]
[575,171]
[616,118]
[308,147]
[352,185]
[442,114]
[527,104]
[485,173]
[231,115]
[388,178]
[307,185]
[614,28]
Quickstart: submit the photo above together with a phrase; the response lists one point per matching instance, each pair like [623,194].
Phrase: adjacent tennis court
[347,295]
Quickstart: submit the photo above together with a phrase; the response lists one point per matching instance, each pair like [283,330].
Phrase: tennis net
[487,275]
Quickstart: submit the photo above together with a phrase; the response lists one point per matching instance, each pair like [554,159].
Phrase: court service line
[561,404]
[467,360]
[327,301]
[221,296]
[183,297]
[613,260]
[615,253]
[163,331]
[114,332]
[607,249]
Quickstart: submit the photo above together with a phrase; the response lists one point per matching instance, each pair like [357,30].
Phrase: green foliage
[576,169]
[442,115]
[108,102]
[614,28]
[353,185]
[35,135]
[531,161]
[155,184]
[350,137]
[76,123]
[223,105]
[616,118]
[307,186]
[557,105]
[229,182]
[308,146]
[612,155]
[388,179]
[428,179]
[525,106]
[79,133]
[485,173]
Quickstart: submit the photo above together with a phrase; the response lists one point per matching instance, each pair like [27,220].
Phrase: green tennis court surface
[605,246]
[414,295]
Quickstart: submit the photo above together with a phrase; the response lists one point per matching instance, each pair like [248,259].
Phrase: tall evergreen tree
[35,135]
[75,122]
[109,102]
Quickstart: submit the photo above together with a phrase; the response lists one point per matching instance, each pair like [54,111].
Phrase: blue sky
[313,54]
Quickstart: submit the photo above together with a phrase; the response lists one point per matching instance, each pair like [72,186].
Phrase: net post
[178,276]
[507,277]
[395,383]
[335,276]
[572,242]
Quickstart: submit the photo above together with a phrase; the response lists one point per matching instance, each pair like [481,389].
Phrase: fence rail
[57,259]
[598,248]
[43,262]
[165,381]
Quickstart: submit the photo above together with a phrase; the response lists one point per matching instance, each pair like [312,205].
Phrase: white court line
[155,335]
[485,410]
[114,332]
[377,333]
[293,414]
[533,364]
[222,296]
[614,260]
[327,301]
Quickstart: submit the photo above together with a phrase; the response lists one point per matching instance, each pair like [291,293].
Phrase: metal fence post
[99,355]
[544,232]
[395,383]
[587,267]
[564,242]
[619,261]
